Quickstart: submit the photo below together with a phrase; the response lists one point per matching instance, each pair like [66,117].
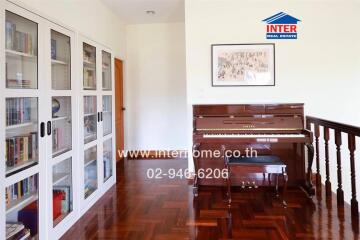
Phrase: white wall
[155,90]
[321,68]
[90,17]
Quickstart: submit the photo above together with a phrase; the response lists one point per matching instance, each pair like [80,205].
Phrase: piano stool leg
[195,187]
[228,183]
[277,185]
[285,178]
[269,178]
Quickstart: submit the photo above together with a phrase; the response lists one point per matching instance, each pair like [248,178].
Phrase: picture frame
[243,64]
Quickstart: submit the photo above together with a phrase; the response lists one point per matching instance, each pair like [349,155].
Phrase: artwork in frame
[243,64]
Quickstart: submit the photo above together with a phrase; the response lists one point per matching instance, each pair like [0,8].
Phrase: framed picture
[243,64]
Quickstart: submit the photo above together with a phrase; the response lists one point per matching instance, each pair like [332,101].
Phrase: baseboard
[156,154]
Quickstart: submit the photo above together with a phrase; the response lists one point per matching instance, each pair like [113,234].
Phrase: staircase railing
[352,133]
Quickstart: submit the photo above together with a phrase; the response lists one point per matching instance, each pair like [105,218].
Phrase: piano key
[254,136]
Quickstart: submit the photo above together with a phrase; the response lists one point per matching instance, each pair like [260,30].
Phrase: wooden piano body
[270,129]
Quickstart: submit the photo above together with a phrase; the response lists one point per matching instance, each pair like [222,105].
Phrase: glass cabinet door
[21,52]
[90,171]
[107,115]
[21,134]
[22,211]
[106,71]
[89,67]
[90,119]
[61,125]
[107,159]
[62,190]
[60,61]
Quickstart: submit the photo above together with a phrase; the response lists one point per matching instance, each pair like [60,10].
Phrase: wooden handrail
[345,128]
[339,128]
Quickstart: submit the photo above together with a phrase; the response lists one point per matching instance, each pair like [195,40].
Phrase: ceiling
[134,11]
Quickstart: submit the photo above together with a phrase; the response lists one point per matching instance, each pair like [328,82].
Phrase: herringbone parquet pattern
[164,209]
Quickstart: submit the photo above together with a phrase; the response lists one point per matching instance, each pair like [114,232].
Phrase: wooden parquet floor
[164,209]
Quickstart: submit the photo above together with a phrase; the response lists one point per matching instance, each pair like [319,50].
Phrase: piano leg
[309,187]
[195,187]
[285,178]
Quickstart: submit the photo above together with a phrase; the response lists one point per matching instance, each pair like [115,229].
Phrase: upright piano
[269,129]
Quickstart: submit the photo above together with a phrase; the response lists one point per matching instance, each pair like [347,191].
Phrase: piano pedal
[243,185]
[195,191]
[254,184]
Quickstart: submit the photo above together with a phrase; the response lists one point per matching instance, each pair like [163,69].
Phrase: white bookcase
[97,142]
[57,124]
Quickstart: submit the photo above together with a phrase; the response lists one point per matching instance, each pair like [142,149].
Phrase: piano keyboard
[253,135]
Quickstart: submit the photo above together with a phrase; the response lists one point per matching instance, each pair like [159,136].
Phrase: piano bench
[261,164]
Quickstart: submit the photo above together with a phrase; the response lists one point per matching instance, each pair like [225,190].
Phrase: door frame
[117,109]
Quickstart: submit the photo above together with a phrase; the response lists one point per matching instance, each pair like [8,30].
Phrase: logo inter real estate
[281,26]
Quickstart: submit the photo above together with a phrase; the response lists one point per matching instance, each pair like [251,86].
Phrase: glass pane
[62,190]
[22,209]
[90,171]
[21,52]
[89,59]
[21,134]
[107,115]
[108,159]
[60,61]
[90,119]
[61,122]
[106,71]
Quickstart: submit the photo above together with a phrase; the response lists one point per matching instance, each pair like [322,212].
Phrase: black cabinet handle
[101,116]
[42,129]
[49,128]
[123,108]
[98,117]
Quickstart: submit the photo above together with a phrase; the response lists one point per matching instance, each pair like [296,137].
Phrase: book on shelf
[53,49]
[65,203]
[89,105]
[20,149]
[16,231]
[30,218]
[107,164]
[18,111]
[89,78]
[21,189]
[17,40]
[57,139]
[18,83]
[90,179]
[89,54]
[107,104]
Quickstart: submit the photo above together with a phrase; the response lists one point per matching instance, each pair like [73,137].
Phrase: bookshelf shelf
[58,62]
[89,88]
[54,119]
[88,63]
[59,177]
[58,152]
[20,203]
[89,114]
[14,53]
[21,166]
[20,125]
[88,163]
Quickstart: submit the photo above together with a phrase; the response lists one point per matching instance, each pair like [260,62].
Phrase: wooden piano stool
[239,166]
